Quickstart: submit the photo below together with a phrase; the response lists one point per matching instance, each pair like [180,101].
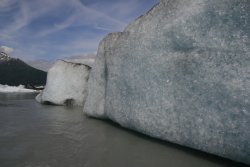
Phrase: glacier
[180,73]
[66,83]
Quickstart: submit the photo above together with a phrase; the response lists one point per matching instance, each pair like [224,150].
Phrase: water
[34,135]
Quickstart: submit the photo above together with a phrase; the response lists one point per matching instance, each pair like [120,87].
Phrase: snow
[15,89]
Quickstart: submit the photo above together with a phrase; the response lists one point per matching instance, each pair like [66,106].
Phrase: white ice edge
[15,89]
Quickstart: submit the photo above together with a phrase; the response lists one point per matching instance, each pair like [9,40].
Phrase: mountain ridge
[14,72]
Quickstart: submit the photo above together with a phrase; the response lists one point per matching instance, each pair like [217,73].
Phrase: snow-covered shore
[15,89]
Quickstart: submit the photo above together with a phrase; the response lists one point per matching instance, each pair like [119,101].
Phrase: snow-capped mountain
[4,57]
[15,72]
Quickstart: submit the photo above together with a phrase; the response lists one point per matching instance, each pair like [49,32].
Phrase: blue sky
[51,29]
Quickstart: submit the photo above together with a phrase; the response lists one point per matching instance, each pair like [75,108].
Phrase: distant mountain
[15,72]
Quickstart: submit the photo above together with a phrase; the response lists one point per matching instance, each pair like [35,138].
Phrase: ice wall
[180,73]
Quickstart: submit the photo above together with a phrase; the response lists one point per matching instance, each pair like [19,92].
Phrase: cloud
[27,12]
[24,12]
[6,49]
[7,5]
[83,15]
[54,28]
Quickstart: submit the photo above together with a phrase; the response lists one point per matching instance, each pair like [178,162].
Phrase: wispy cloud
[25,12]
[84,16]
[7,5]
[50,28]
[28,11]
[6,49]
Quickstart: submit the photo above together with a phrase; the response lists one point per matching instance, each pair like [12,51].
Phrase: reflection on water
[17,96]
[34,135]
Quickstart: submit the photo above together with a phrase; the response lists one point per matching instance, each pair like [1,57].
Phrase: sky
[52,29]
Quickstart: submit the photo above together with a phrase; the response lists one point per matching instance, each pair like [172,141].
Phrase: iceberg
[15,89]
[66,83]
[180,73]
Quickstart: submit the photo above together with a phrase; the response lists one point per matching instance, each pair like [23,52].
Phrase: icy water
[33,135]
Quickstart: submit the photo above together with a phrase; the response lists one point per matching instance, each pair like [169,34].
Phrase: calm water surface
[34,135]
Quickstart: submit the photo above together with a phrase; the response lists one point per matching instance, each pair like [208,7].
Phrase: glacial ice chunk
[66,84]
[180,73]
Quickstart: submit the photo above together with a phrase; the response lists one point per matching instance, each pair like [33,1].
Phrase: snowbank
[15,89]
